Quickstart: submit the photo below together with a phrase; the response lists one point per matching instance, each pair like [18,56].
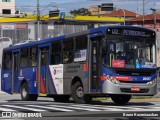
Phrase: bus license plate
[135,89]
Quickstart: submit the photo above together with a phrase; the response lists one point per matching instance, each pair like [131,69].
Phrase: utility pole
[143,14]
[154,12]
[38,20]
[124,16]
[155,21]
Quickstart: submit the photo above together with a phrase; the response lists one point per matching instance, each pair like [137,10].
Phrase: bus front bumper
[129,88]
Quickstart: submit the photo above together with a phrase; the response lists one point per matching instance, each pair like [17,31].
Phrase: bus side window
[33,56]
[81,42]
[24,57]
[56,53]
[7,60]
[67,54]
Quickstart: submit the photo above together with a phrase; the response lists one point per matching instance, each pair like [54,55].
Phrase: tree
[81,11]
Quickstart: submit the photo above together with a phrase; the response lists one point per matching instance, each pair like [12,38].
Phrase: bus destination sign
[127,32]
[133,33]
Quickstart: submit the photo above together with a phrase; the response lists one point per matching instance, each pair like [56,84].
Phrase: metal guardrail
[28,31]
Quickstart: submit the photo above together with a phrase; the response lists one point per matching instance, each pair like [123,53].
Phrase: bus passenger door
[95,65]
[15,67]
[42,70]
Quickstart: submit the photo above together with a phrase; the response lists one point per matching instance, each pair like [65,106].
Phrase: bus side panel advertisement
[57,77]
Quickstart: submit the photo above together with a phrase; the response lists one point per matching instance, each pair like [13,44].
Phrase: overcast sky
[67,5]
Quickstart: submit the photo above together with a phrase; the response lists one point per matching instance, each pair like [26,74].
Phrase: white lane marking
[52,108]
[25,108]
[92,107]
[3,101]
[6,109]
[78,108]
[110,108]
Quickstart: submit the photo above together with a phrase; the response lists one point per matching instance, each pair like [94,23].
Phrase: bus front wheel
[121,99]
[25,95]
[78,95]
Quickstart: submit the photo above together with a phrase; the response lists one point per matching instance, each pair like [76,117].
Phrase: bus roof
[101,29]
[121,26]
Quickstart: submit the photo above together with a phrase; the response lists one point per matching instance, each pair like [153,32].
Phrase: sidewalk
[155,98]
[2,93]
[146,100]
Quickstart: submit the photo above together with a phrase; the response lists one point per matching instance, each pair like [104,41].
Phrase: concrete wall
[7,5]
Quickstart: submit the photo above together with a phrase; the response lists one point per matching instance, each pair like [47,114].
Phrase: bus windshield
[121,53]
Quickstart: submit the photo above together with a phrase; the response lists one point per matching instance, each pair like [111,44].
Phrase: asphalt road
[11,106]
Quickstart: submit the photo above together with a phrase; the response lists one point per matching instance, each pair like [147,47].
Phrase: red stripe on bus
[85,67]
[103,78]
[42,86]
[121,78]
[43,89]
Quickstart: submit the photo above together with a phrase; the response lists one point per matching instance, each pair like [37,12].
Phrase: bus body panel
[29,75]
[51,86]
[73,71]
[47,85]
[6,78]
[56,79]
[62,76]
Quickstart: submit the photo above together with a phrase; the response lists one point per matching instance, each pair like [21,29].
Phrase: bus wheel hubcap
[79,92]
[24,92]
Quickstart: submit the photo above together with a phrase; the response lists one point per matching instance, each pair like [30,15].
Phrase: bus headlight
[151,82]
[113,80]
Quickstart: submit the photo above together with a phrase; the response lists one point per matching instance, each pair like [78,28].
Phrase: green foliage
[141,97]
[81,11]
[100,98]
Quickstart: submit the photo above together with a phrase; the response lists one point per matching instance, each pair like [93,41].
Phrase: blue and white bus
[111,61]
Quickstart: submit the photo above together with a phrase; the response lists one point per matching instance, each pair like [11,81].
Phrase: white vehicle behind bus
[24,42]
[5,42]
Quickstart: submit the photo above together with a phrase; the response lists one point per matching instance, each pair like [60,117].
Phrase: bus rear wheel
[78,95]
[25,95]
[121,99]
[61,98]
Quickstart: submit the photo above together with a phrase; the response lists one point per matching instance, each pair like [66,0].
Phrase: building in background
[7,8]
[27,29]
[123,12]
[16,31]
[102,9]
[148,21]
[96,10]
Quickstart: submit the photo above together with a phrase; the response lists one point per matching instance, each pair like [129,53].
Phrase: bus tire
[121,99]
[78,95]
[24,93]
[61,98]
